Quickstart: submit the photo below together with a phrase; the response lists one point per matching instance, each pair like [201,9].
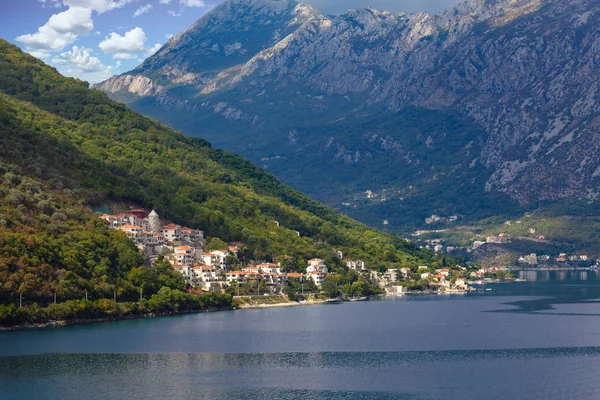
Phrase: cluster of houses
[148,233]
[212,271]
[563,258]
[390,279]
[209,271]
[436,245]
[480,274]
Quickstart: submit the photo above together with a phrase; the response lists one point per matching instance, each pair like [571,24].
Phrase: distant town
[557,259]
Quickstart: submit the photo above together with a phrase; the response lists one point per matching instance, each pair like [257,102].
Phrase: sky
[95,39]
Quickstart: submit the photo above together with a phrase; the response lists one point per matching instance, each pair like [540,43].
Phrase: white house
[184,255]
[444,272]
[391,275]
[269,268]
[316,265]
[317,277]
[217,258]
[171,232]
[235,276]
[190,235]
[357,265]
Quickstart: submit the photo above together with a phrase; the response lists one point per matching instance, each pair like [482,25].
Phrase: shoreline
[280,304]
[243,306]
[86,321]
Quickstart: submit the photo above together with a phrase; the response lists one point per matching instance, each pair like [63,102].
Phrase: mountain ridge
[523,71]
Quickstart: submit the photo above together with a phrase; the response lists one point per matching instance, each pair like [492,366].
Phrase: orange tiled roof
[171,227]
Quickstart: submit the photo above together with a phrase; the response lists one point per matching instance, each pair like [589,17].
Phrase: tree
[262,287]
[214,243]
[330,285]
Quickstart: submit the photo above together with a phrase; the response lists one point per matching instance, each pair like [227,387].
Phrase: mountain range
[489,108]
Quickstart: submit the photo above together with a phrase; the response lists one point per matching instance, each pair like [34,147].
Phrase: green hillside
[65,149]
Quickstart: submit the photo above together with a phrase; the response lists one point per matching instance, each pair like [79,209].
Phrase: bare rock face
[527,71]
[136,84]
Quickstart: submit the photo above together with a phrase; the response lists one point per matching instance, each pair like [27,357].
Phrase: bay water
[538,339]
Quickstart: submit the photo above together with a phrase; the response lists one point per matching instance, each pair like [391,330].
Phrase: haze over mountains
[490,107]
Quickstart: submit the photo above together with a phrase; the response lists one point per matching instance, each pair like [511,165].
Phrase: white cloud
[75,20]
[99,6]
[174,13]
[153,49]
[168,36]
[133,41]
[61,30]
[192,3]
[129,46]
[124,56]
[97,33]
[164,1]
[142,10]
[80,59]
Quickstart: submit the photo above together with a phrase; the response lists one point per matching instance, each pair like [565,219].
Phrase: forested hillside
[65,149]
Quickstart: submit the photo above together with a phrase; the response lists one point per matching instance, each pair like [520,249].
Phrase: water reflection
[336,375]
[552,288]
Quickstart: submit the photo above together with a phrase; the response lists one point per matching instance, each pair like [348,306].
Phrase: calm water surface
[538,339]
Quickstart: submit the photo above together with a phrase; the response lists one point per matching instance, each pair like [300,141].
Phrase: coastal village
[216,270]
[556,260]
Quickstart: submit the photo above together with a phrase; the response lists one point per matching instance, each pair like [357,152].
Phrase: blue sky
[95,39]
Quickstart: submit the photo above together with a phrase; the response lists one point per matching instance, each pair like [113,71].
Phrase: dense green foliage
[64,148]
[166,301]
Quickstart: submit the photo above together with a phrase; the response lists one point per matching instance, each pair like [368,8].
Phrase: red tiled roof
[171,227]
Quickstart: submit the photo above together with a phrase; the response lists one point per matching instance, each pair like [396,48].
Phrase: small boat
[333,300]
[358,298]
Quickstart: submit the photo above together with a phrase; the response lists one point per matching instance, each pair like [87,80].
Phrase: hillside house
[317,277]
[356,265]
[235,277]
[391,275]
[444,272]
[190,235]
[184,255]
[269,268]
[316,265]
[217,258]
[171,232]
[296,276]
